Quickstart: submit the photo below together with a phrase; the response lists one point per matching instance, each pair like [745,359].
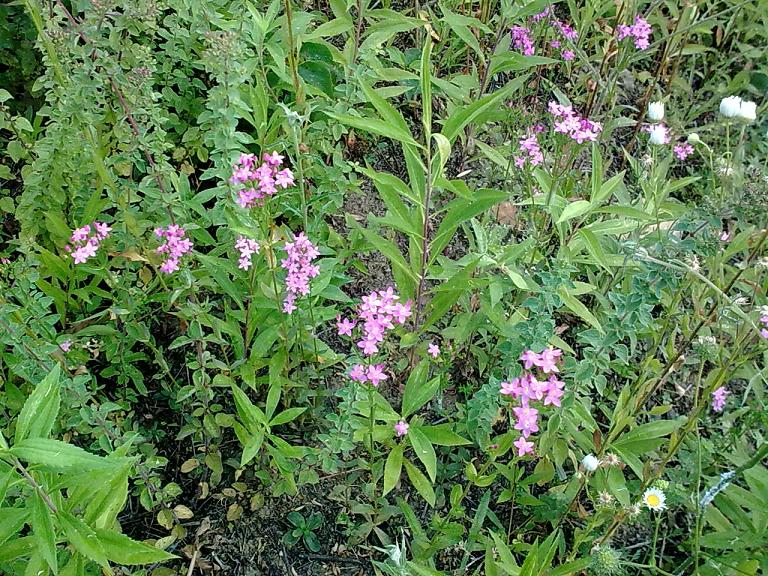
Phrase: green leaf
[123,550]
[319,75]
[594,248]
[42,526]
[573,210]
[331,28]
[374,126]
[420,482]
[251,415]
[460,25]
[393,468]
[388,112]
[61,456]
[575,306]
[406,280]
[417,390]
[424,451]
[287,416]
[39,412]
[442,435]
[426,86]
[514,61]
[11,521]
[83,538]
[460,117]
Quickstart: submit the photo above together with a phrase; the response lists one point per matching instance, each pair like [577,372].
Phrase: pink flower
[640,31]
[433,350]
[547,360]
[568,55]
[568,122]
[247,248]
[401,428]
[531,151]
[344,326]
[529,358]
[175,245]
[725,236]
[86,241]
[523,446]
[682,151]
[300,269]
[358,373]
[521,40]
[66,345]
[527,418]
[259,182]
[718,398]
[376,374]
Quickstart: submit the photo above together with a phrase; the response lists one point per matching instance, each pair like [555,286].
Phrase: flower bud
[656,111]
[693,138]
[747,111]
[590,463]
[658,135]
[730,106]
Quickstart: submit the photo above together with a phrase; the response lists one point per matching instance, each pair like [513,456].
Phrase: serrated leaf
[38,415]
[83,538]
[121,549]
[59,455]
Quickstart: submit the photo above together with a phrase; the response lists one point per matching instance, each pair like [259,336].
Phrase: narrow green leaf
[123,550]
[420,482]
[59,455]
[442,435]
[459,118]
[374,126]
[38,415]
[424,451]
[11,521]
[287,416]
[393,468]
[426,86]
[42,527]
[417,390]
[574,209]
[83,538]
[575,306]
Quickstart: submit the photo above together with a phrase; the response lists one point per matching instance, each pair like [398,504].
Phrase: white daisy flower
[654,499]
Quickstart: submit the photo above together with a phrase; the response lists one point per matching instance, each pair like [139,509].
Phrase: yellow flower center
[652,500]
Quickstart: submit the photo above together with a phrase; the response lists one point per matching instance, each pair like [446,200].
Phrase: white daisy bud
[656,111]
[747,111]
[693,138]
[658,135]
[590,463]
[730,106]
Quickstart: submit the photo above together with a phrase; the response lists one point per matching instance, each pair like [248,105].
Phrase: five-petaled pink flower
[523,446]
[433,350]
[401,428]
[376,374]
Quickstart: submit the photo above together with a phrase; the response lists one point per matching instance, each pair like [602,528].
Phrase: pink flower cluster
[682,151]
[530,151]
[532,386]
[521,40]
[764,322]
[568,122]
[259,182]
[300,269]
[640,31]
[247,247]
[379,312]
[566,33]
[85,241]
[174,246]
[719,397]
